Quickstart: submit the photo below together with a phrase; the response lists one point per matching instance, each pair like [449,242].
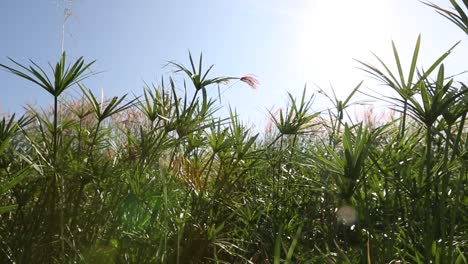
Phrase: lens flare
[347,215]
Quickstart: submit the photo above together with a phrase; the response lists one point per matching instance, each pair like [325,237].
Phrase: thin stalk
[443,201]
[165,213]
[54,133]
[429,238]
[207,167]
[332,136]
[455,151]
[91,148]
[338,128]
[428,161]
[293,146]
[403,120]
[397,172]
[57,182]
[278,171]
[79,140]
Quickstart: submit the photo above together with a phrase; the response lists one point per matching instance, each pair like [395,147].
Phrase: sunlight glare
[335,33]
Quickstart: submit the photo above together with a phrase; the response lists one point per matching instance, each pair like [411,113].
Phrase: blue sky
[284,43]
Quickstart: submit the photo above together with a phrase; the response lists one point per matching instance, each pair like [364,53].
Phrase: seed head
[250,80]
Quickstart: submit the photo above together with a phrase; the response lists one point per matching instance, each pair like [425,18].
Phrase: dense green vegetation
[162,179]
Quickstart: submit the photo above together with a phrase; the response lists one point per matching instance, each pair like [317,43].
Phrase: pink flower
[250,80]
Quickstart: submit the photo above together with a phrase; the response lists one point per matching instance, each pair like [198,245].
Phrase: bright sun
[335,32]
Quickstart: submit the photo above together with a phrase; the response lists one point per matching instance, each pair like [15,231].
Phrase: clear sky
[285,43]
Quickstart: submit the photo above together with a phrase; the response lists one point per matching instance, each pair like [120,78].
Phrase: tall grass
[161,178]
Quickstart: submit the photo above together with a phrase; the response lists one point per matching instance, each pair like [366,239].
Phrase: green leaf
[16,178]
[8,208]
